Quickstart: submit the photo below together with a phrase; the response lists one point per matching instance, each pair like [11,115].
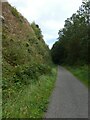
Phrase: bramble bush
[24,75]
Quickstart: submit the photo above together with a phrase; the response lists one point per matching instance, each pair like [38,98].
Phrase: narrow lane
[69,98]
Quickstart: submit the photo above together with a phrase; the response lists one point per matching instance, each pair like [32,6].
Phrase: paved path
[69,98]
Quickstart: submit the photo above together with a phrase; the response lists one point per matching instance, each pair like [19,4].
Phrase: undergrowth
[26,66]
[81,72]
[32,99]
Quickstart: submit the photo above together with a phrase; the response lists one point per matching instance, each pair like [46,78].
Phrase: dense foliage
[25,54]
[28,74]
[74,40]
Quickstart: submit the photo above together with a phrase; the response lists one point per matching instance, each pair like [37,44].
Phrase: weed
[32,101]
[81,72]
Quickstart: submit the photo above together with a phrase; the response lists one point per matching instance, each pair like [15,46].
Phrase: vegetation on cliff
[26,67]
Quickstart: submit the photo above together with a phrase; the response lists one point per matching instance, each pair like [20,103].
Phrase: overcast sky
[48,14]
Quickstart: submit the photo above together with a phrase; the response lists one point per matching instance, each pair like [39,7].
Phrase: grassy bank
[81,72]
[31,101]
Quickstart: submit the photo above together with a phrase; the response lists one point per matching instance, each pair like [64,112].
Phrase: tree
[58,53]
[73,44]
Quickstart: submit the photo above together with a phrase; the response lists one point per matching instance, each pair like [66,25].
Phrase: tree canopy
[73,41]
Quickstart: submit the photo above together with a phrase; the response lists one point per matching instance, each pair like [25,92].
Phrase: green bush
[44,69]
[35,70]
[31,73]
[23,75]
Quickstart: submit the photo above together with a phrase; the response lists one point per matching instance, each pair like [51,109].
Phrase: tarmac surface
[69,98]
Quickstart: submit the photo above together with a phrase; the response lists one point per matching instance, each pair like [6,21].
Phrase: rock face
[22,44]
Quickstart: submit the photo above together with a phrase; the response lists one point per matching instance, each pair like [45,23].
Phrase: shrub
[31,73]
[44,69]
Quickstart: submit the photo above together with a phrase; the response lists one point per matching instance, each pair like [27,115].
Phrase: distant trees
[73,41]
[58,52]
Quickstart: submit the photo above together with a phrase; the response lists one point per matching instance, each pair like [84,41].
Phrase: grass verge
[81,72]
[32,100]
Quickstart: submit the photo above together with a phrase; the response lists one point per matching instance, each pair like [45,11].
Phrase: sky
[48,14]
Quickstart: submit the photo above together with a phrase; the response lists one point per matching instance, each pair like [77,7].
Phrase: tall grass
[81,72]
[31,102]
